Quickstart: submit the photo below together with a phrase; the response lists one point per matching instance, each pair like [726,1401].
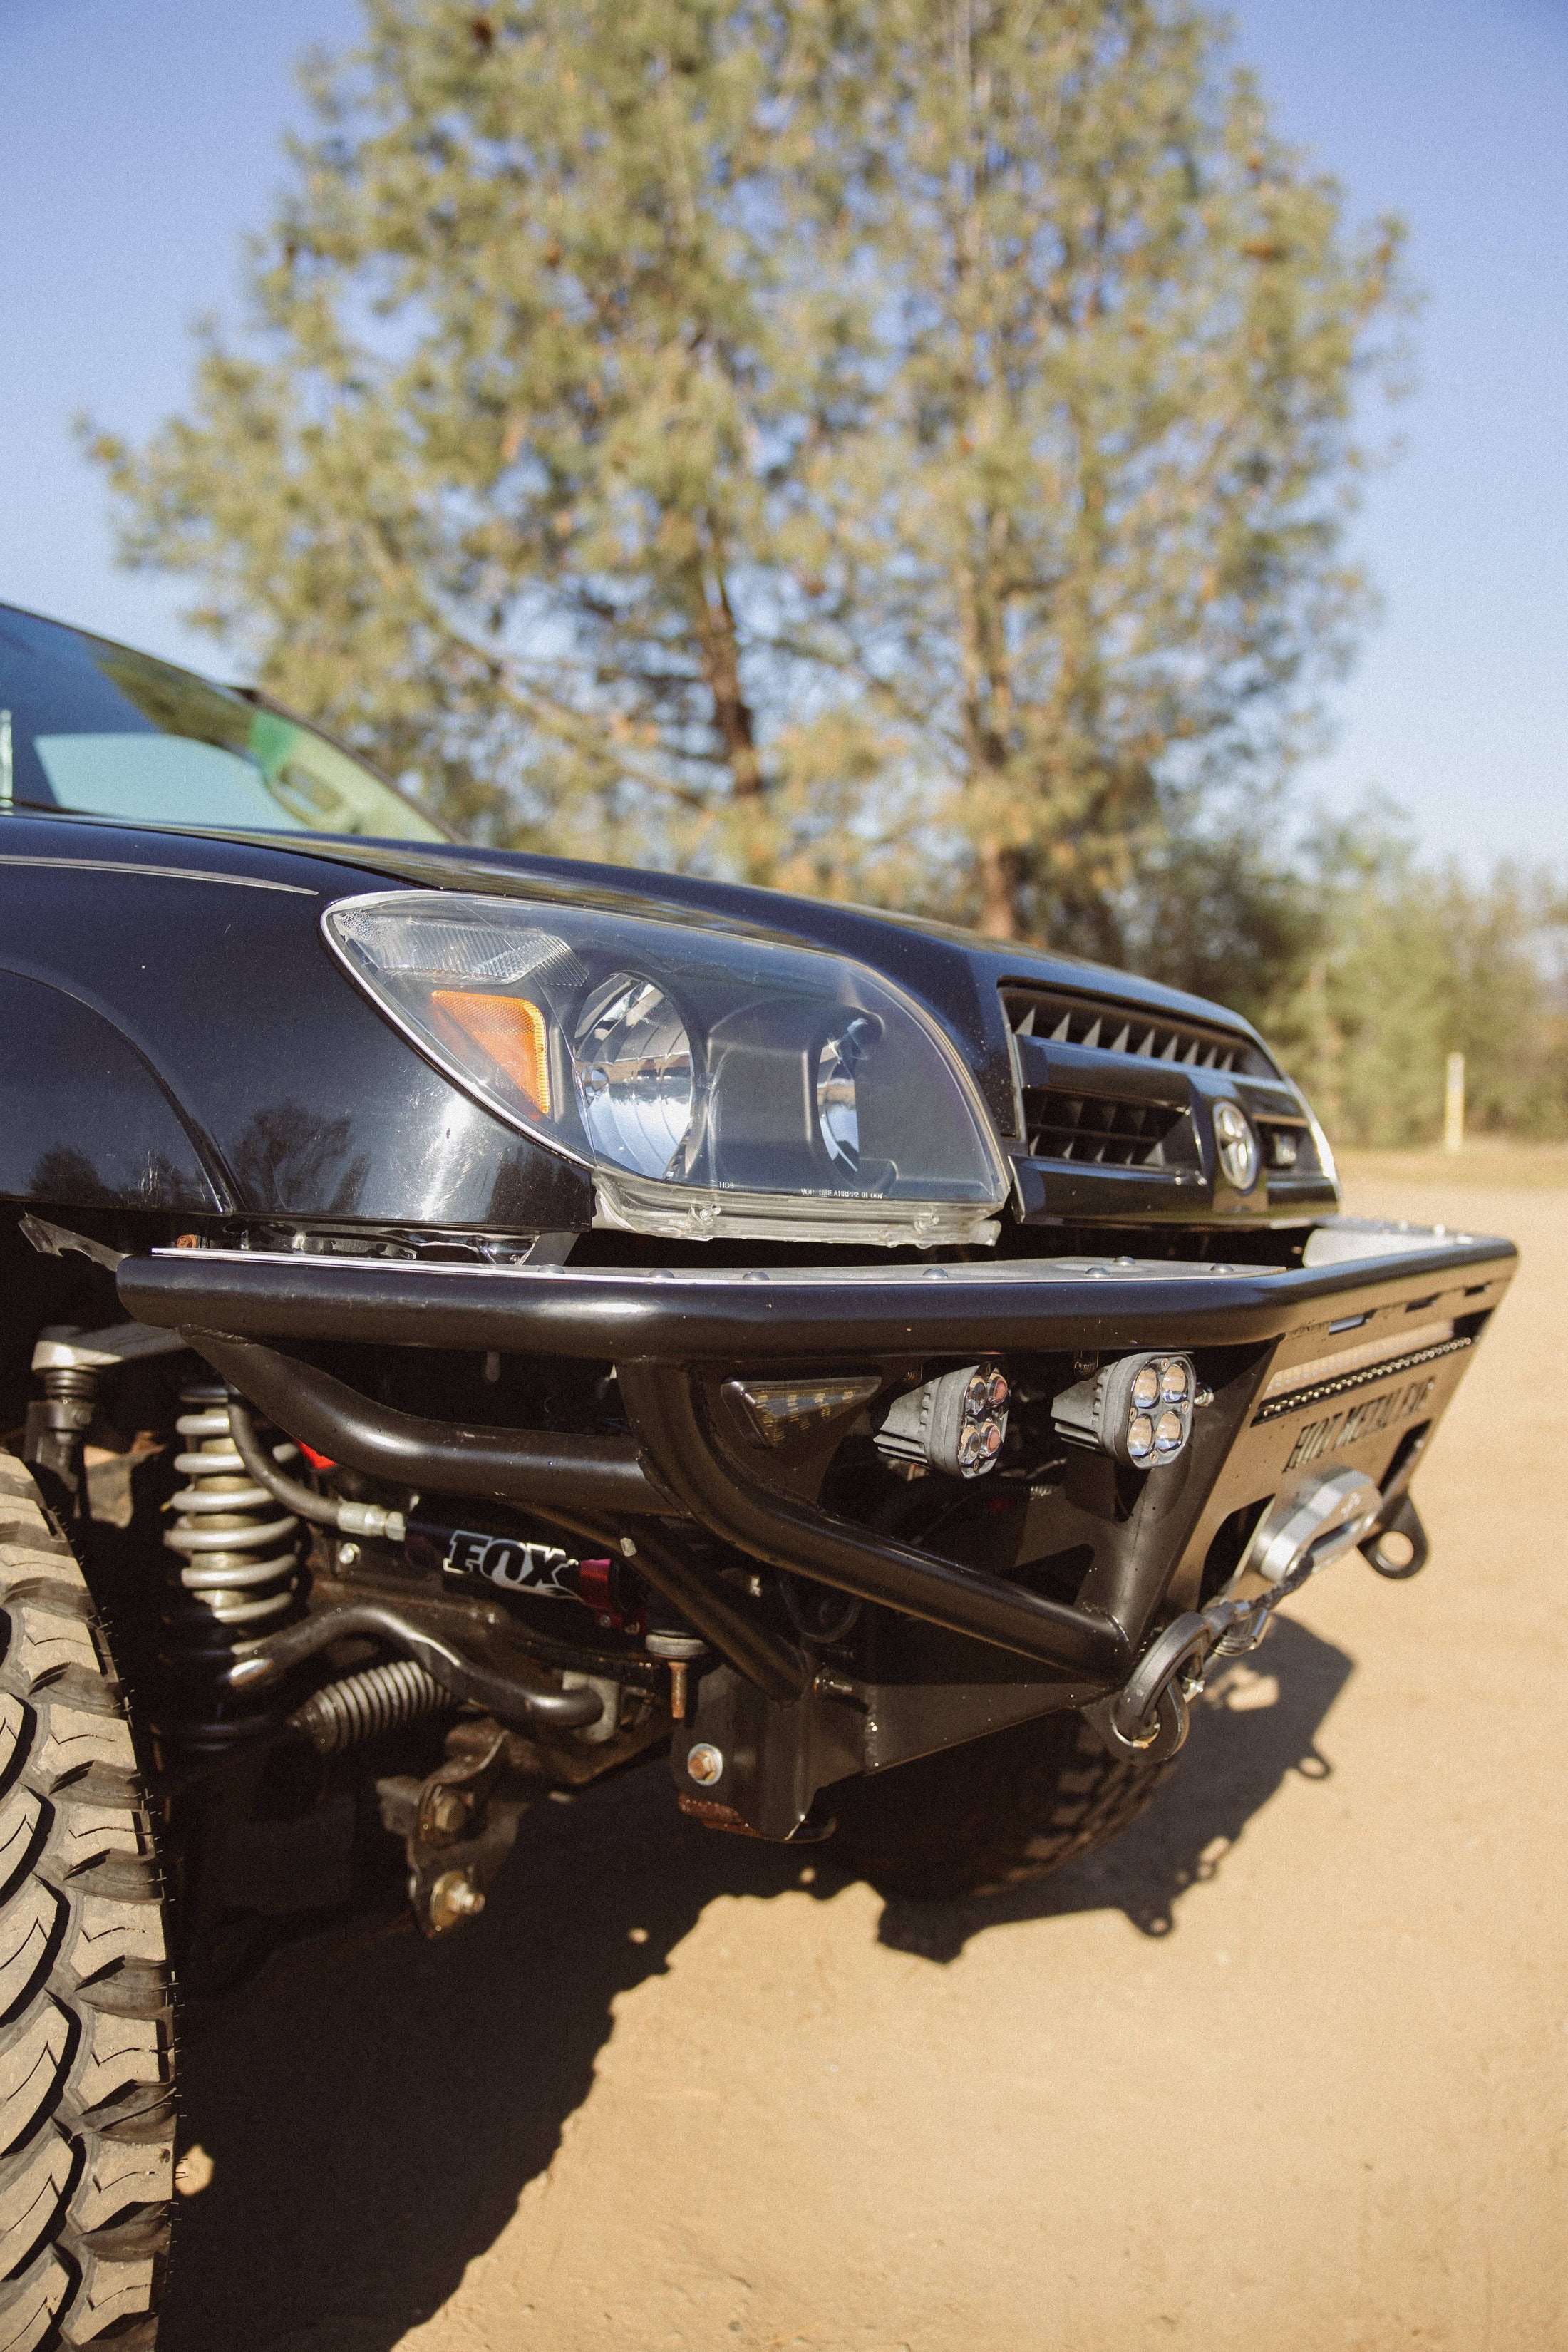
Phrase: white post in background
[1453,1105]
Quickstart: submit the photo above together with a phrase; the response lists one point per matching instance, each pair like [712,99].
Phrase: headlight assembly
[714,1084]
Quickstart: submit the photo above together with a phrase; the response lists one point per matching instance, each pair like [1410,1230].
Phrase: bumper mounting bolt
[454,1897]
[704,1763]
[448,1812]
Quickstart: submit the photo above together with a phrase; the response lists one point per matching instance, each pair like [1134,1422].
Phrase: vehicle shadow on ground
[1253,1728]
[374,2118]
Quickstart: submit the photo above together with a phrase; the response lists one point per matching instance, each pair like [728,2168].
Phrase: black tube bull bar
[668,1331]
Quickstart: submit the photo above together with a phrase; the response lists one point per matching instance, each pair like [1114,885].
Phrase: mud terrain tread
[87,2117]
[993,1813]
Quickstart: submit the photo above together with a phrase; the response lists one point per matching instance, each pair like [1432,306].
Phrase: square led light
[1138,1409]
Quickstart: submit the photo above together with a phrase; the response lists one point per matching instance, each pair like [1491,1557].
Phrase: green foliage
[1410,965]
[536,349]
[864,445]
[1214,906]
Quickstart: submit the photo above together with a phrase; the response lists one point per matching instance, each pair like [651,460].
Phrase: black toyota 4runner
[474,1323]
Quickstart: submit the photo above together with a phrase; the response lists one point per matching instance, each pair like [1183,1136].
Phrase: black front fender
[87,1123]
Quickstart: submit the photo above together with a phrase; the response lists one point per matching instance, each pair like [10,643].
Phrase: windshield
[93,727]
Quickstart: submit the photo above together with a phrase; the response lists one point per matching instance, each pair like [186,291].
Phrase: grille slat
[1106,1134]
[1098,1027]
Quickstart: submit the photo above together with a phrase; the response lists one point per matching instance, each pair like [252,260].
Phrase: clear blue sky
[140,142]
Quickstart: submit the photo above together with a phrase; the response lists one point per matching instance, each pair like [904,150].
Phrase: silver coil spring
[239,1549]
[366,1706]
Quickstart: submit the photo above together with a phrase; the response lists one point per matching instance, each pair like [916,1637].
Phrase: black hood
[957,974]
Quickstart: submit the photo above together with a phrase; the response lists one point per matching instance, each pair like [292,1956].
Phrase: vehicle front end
[884,1339]
[619,1311]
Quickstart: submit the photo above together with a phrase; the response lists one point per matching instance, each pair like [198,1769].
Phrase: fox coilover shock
[237,1575]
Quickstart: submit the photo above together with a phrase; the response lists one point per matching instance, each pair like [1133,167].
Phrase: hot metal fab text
[1339,1430]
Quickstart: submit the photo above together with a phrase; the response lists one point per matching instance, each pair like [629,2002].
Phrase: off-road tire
[992,1813]
[87,2117]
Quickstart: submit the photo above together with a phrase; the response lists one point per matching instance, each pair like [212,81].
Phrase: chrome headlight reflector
[838,1111]
[635,1089]
[713,1082]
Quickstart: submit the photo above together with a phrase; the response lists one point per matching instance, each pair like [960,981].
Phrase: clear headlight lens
[1324,1148]
[713,1083]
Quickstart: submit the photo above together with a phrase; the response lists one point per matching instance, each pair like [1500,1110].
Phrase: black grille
[1107,1134]
[1097,1025]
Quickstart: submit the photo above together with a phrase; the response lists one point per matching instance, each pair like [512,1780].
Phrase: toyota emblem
[1239,1154]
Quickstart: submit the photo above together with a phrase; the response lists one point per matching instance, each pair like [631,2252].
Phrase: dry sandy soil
[1283,2068]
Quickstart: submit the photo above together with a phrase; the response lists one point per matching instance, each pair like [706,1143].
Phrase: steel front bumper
[1345,1362]
[774,1314]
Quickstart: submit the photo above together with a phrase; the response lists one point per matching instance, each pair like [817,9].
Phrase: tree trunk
[1000,872]
[719,641]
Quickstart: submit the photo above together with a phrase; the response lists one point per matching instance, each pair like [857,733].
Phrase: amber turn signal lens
[509,1029]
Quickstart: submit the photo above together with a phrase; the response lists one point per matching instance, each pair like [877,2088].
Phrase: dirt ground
[1284,2068]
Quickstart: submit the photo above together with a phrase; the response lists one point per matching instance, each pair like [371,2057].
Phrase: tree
[1224,904]
[1396,966]
[876,443]
[1114,454]
[551,318]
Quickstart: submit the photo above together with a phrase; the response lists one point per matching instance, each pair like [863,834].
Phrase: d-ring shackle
[1147,1718]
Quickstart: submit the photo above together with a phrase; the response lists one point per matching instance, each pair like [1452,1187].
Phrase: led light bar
[1352,1358]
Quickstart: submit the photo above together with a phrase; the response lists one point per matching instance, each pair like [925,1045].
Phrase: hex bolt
[454,1897]
[704,1763]
[449,1810]
[347,1554]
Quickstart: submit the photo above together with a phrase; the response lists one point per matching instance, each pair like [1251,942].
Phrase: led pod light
[713,1083]
[1139,1409]
[956,1424]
